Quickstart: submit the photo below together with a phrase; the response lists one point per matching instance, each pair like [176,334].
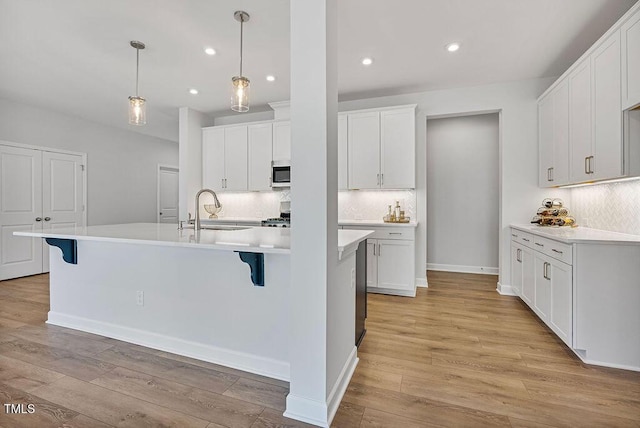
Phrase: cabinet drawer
[554,249]
[405,233]
[523,238]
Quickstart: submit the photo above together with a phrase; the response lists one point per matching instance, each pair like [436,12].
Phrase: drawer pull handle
[395,233]
[526,240]
[557,251]
[539,244]
[514,235]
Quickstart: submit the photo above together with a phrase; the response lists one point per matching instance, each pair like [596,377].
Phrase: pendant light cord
[241,25]
[137,68]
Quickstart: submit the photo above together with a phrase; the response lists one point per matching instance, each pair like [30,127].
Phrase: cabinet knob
[47,218]
[38,218]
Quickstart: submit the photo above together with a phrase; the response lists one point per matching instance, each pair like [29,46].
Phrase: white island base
[190,294]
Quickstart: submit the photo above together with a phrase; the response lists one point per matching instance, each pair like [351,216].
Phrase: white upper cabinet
[553,137]
[397,149]
[342,152]
[224,158]
[607,110]
[381,149]
[282,141]
[260,139]
[364,150]
[580,122]
[213,158]
[630,38]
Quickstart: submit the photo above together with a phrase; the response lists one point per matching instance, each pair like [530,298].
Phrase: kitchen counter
[571,235]
[256,221]
[222,296]
[273,240]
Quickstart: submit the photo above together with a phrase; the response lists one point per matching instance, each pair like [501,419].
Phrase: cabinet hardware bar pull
[378,179]
[518,255]
[526,240]
[374,249]
[586,165]
[590,168]
[395,233]
[514,235]
[381,179]
[539,244]
[552,170]
[556,251]
[379,250]
[222,183]
[548,174]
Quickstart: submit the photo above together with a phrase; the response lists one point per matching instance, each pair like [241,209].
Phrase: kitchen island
[216,295]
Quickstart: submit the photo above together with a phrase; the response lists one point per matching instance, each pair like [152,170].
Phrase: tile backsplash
[373,204]
[611,206]
[352,205]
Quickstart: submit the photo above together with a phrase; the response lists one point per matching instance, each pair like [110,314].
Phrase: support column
[314,190]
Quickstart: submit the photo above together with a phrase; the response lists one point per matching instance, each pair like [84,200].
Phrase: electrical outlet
[353,278]
[140,298]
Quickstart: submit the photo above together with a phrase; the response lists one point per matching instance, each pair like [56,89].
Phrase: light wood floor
[458,354]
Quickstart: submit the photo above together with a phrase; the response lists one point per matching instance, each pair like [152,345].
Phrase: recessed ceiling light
[367,61]
[271,78]
[210,51]
[193,91]
[452,47]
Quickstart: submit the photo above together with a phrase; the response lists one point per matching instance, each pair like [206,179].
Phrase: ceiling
[74,56]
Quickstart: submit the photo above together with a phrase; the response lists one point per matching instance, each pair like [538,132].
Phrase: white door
[62,194]
[213,159]
[282,141]
[395,262]
[372,263]
[397,149]
[260,147]
[528,275]
[560,316]
[235,158]
[607,105]
[542,292]
[364,150]
[516,268]
[580,121]
[630,34]
[167,195]
[20,210]
[342,152]
[560,173]
[545,140]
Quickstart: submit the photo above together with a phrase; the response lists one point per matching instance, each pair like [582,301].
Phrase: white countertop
[253,239]
[248,220]
[570,235]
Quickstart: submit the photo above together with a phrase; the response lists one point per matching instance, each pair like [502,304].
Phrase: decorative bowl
[212,209]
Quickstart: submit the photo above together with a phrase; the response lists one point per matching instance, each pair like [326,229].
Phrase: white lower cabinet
[390,260]
[542,279]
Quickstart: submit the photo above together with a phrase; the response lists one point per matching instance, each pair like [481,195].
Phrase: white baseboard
[392,291]
[422,282]
[225,357]
[505,290]
[340,387]
[463,269]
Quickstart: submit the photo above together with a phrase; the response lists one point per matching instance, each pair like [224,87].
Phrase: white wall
[518,150]
[122,165]
[462,193]
[190,126]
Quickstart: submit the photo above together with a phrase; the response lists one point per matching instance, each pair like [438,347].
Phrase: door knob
[47,218]
[160,213]
[38,218]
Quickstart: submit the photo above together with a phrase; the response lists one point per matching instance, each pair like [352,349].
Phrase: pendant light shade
[137,104]
[240,84]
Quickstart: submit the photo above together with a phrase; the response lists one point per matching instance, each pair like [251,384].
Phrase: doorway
[463,193]
[167,194]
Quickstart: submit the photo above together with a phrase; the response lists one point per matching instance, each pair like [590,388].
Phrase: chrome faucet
[217,204]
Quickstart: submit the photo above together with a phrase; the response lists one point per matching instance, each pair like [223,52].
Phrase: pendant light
[137,106]
[240,84]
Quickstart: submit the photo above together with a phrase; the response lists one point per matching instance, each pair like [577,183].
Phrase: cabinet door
[560,315]
[545,140]
[607,108]
[398,149]
[235,158]
[213,158]
[630,35]
[528,276]
[282,140]
[372,263]
[560,172]
[516,268]
[260,139]
[395,264]
[20,206]
[342,152]
[580,121]
[542,292]
[364,150]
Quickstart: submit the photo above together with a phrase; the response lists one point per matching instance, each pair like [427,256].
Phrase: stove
[276,222]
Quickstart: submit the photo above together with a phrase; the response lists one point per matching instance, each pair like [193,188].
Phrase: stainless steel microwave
[280,174]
